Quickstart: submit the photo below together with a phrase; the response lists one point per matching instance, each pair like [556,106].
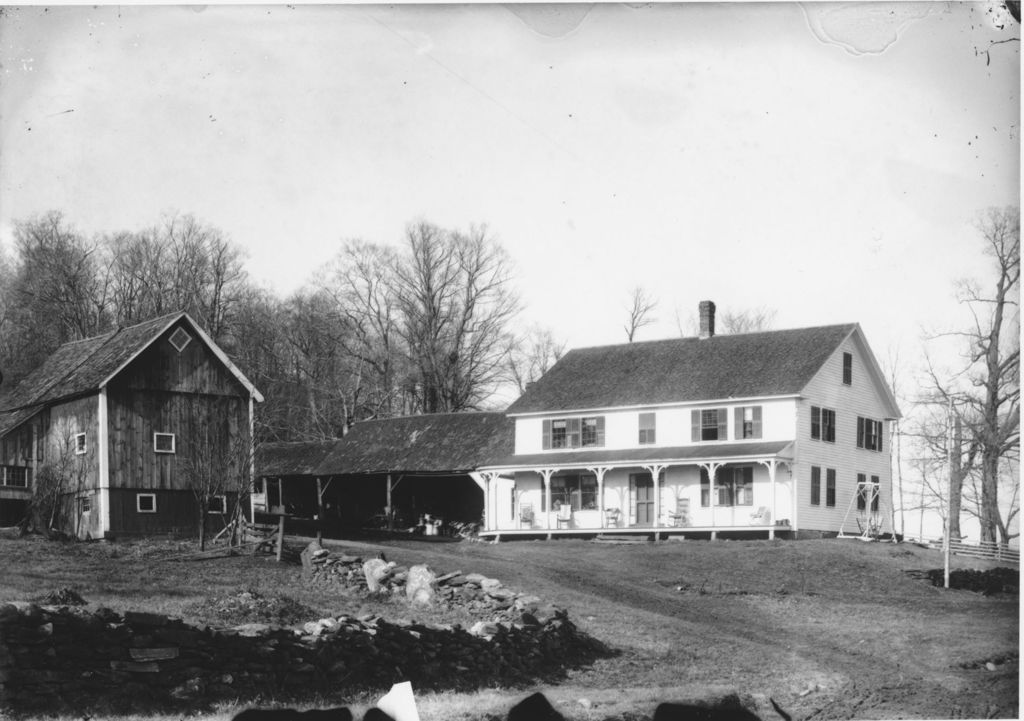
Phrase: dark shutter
[738,423]
[815,422]
[847,368]
[695,426]
[546,442]
[723,424]
[815,486]
[881,429]
[757,422]
[600,430]
[830,486]
[860,432]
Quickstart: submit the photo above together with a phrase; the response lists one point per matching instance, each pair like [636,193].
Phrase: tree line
[426,327]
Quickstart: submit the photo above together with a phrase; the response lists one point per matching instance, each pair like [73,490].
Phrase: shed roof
[434,443]
[299,458]
[680,370]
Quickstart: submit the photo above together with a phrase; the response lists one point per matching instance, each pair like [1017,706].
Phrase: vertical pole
[949,502]
[319,511]
[280,537]
[389,512]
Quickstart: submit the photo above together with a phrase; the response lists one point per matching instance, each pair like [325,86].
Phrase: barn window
[15,476]
[163,442]
[80,446]
[145,502]
[85,504]
[217,505]
[179,339]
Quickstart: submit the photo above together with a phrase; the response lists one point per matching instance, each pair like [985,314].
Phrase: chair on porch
[564,517]
[761,517]
[526,515]
[611,517]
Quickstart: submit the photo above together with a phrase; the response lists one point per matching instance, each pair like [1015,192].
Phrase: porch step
[600,538]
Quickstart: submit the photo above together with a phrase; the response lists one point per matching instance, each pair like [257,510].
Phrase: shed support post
[389,512]
[319,511]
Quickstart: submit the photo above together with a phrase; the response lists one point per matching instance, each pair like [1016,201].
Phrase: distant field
[829,629]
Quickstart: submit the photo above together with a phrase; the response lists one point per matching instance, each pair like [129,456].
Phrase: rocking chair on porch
[761,517]
[526,515]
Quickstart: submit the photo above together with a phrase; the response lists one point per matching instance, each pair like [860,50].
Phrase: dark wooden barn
[128,430]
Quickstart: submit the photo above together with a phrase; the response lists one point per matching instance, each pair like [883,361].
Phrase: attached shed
[389,472]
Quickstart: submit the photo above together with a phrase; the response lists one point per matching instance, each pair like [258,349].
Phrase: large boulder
[420,585]
[377,571]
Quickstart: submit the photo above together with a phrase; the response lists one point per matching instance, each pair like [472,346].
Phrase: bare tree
[639,307]
[531,355]
[455,299]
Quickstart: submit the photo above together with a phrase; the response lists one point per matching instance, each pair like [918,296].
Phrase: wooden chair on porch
[564,517]
[761,517]
[526,515]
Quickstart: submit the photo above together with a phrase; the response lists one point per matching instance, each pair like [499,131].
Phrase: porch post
[711,468]
[484,481]
[546,473]
[771,464]
[599,471]
[655,471]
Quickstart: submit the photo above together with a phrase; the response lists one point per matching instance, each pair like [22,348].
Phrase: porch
[690,491]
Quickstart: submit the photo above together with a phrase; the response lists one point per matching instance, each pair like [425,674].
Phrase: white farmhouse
[767,432]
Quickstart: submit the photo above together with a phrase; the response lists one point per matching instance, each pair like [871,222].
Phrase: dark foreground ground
[828,629]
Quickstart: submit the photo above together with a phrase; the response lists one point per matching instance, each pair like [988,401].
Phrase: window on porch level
[734,486]
[577,490]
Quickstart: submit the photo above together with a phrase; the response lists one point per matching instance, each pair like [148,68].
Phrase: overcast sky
[823,160]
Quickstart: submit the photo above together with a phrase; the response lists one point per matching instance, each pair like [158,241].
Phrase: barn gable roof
[84,366]
[680,370]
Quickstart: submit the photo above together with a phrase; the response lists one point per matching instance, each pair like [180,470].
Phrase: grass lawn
[829,629]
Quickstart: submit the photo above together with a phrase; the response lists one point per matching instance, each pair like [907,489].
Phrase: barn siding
[176,513]
[861,398]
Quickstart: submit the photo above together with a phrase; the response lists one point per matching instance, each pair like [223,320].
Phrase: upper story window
[848,368]
[748,422]
[710,424]
[573,432]
[869,434]
[80,446]
[648,428]
[163,442]
[823,424]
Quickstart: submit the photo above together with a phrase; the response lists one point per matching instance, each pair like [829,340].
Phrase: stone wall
[62,659]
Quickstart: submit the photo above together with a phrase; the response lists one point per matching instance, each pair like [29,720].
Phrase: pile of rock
[483,598]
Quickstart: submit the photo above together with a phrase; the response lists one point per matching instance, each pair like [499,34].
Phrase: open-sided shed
[387,472]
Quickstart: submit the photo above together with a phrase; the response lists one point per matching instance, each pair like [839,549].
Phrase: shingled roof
[82,367]
[292,458]
[683,370]
[434,443]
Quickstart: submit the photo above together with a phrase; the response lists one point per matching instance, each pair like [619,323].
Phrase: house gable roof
[434,443]
[682,370]
[85,366]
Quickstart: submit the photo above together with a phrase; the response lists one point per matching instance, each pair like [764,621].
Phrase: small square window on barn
[163,442]
[145,502]
[218,505]
[85,504]
[80,446]
[179,339]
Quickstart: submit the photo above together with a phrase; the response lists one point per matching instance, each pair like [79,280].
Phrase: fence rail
[991,551]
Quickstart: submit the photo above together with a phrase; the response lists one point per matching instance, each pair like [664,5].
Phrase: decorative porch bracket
[711,467]
[546,473]
[485,480]
[655,470]
[599,471]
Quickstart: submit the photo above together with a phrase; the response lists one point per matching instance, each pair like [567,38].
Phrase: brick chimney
[707,318]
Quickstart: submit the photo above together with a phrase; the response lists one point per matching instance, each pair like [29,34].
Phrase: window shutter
[573,431]
[600,430]
[695,426]
[546,443]
[632,500]
[815,485]
[737,424]
[757,422]
[881,432]
[723,424]
[860,432]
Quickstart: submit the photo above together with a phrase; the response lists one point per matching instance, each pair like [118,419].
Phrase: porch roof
[641,456]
